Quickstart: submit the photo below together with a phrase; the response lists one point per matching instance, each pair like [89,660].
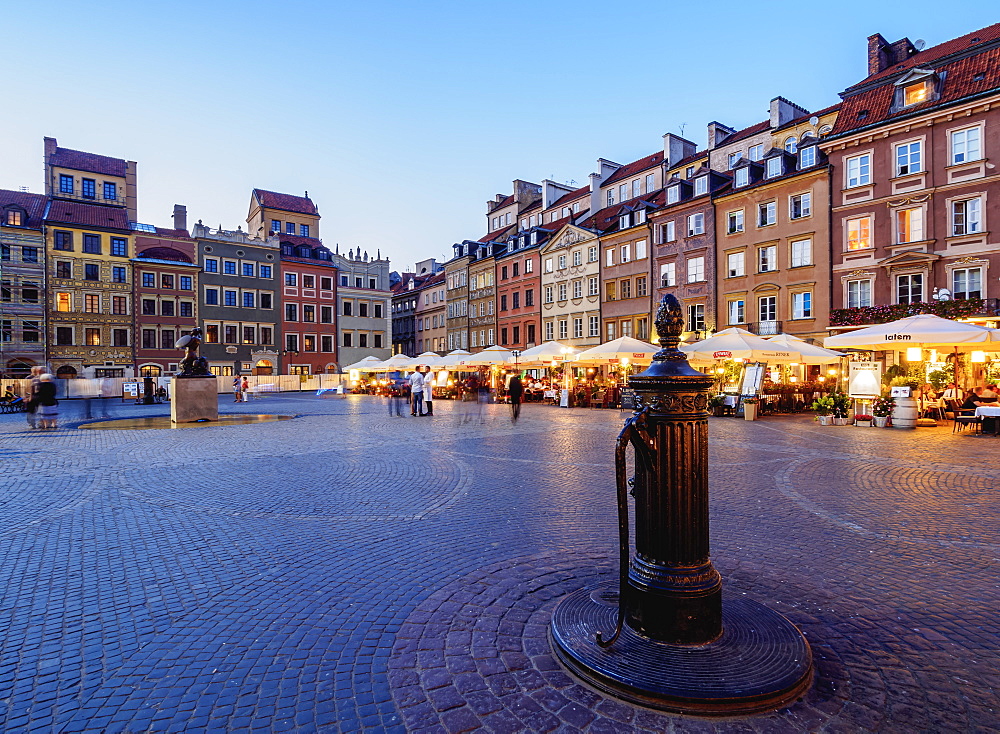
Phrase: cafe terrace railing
[953,309]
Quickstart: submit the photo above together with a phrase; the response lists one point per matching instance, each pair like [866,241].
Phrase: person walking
[396,392]
[31,396]
[245,390]
[48,406]
[515,390]
[428,390]
[416,393]
[237,389]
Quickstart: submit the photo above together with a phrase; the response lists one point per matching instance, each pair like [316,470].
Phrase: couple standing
[421,391]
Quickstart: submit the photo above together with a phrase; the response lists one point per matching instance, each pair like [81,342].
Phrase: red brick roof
[294,239]
[162,253]
[285,202]
[928,56]
[748,132]
[650,161]
[871,105]
[607,218]
[33,204]
[89,162]
[87,215]
[175,233]
[498,235]
[566,198]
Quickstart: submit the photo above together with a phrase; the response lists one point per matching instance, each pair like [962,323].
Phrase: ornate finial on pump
[669,321]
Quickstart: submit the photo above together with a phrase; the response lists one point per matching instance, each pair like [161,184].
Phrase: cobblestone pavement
[350,571]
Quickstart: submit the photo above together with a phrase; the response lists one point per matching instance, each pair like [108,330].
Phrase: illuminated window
[859,233]
[916,93]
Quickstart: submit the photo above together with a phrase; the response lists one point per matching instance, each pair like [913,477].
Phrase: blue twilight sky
[400,118]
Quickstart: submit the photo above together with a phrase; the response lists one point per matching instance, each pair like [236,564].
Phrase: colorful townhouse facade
[22,282]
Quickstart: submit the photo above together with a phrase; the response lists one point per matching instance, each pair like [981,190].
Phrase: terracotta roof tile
[967,76]
[176,233]
[161,253]
[33,204]
[748,132]
[631,169]
[89,162]
[607,218]
[87,215]
[285,202]
[928,56]
[295,239]
[566,198]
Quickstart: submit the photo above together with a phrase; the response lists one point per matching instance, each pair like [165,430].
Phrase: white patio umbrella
[395,362]
[364,364]
[925,330]
[431,359]
[543,354]
[808,353]
[489,356]
[614,351]
[734,343]
[452,359]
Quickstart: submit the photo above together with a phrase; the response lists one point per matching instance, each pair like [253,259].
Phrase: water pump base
[760,663]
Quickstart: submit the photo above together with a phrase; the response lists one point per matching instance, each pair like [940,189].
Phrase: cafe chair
[963,421]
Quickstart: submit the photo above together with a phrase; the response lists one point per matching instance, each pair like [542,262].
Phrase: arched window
[66,372]
[150,370]
[791,145]
[825,130]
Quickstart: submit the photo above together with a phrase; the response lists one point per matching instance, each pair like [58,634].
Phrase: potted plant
[750,409]
[717,403]
[881,410]
[863,420]
[841,408]
[823,407]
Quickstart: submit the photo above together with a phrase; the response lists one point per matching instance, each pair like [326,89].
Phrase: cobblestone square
[348,570]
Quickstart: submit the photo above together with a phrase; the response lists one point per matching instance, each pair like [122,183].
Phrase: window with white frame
[801,253]
[774,167]
[910,225]
[908,158]
[595,326]
[910,288]
[578,257]
[563,333]
[733,158]
[669,232]
[756,152]
[701,185]
[800,205]
[548,294]
[859,293]
[609,257]
[562,291]
[791,145]
[767,258]
[965,145]
[578,328]
[673,194]
[917,93]
[966,216]
[767,308]
[592,286]
[622,192]
[737,311]
[549,336]
[734,221]
[561,263]
[859,233]
[548,265]
[650,182]
[668,275]
[967,283]
[696,317]
[802,305]
[611,197]
[533,238]
[639,216]
[623,221]
[640,249]
[736,264]
[592,254]
[696,224]
[767,213]
[696,269]
[626,253]
[859,170]
[577,289]
[807,156]
[742,176]
[636,187]
[609,331]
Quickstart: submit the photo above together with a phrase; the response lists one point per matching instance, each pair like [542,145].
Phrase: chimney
[526,193]
[180,217]
[717,134]
[131,197]
[604,170]
[50,148]
[676,148]
[882,54]
[783,112]
[552,191]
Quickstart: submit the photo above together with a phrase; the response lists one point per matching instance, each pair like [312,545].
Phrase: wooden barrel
[904,414]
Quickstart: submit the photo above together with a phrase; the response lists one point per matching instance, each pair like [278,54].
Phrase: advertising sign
[864,380]
[722,355]
[753,376]
[130,390]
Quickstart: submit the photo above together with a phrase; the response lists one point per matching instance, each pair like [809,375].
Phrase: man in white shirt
[416,393]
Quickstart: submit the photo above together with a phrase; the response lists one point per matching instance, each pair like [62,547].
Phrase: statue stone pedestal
[194,399]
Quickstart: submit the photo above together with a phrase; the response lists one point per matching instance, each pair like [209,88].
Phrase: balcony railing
[954,309]
[97,198]
[764,328]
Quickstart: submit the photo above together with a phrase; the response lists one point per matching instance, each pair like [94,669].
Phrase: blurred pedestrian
[31,396]
[245,390]
[237,389]
[428,390]
[515,390]
[416,393]
[48,406]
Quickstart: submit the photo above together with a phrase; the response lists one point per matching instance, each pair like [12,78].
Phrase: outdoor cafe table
[988,411]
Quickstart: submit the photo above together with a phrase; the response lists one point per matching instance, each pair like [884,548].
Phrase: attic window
[916,93]
[774,167]
[978,77]
[862,114]
[701,185]
[673,194]
[742,176]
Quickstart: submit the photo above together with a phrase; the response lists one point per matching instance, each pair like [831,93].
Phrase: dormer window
[520,241]
[742,177]
[534,238]
[756,152]
[701,185]
[14,218]
[791,145]
[917,93]
[623,221]
[640,216]
[774,167]
[673,194]
[807,156]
